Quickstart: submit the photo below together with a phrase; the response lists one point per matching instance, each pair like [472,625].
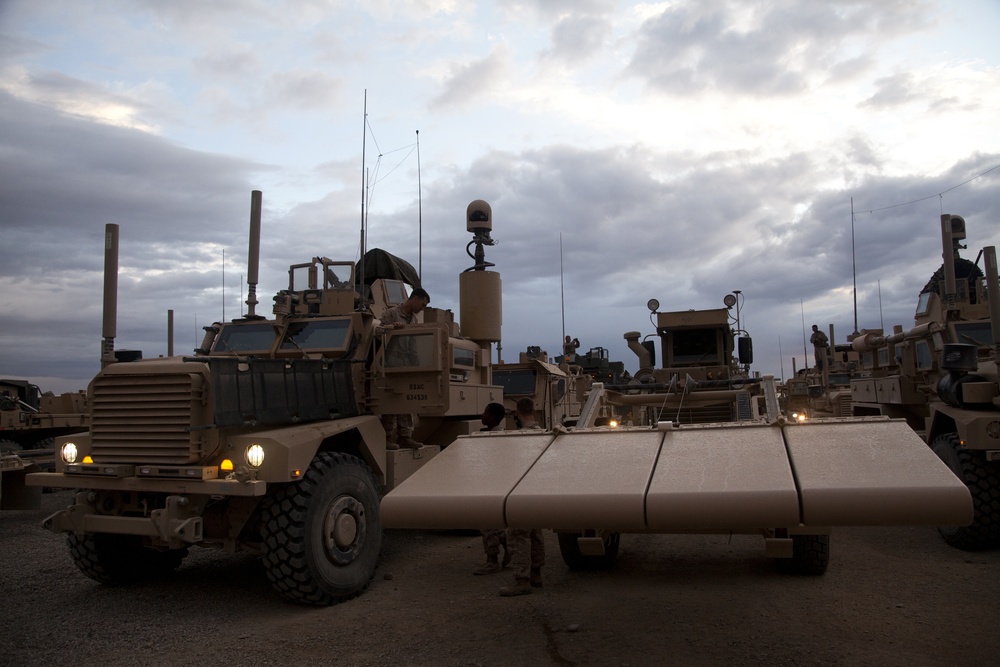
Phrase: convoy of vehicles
[268,439]
[697,444]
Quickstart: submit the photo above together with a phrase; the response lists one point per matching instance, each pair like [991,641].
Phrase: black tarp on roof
[380,264]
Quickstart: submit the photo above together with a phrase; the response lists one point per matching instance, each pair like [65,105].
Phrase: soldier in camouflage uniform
[494,538]
[399,428]
[526,547]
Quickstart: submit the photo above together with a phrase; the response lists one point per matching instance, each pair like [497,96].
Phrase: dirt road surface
[896,596]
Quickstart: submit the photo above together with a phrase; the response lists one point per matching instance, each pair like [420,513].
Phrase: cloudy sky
[677,150]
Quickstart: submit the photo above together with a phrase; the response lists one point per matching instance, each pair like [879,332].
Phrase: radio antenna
[364,133]
[420,219]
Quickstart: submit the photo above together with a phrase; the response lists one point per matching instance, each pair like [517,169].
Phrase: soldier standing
[527,546]
[569,348]
[398,317]
[493,538]
[819,342]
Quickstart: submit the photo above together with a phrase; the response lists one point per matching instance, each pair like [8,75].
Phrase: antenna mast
[562,292]
[805,354]
[364,135]
[420,218]
[854,270]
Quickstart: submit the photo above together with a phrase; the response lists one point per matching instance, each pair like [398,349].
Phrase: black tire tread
[810,555]
[982,478]
[120,559]
[569,549]
[285,533]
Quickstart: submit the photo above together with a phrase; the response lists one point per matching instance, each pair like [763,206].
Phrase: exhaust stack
[110,325]
[170,333]
[253,257]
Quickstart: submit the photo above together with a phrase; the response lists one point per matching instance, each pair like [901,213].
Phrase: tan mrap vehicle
[813,393]
[29,422]
[269,439]
[941,376]
[709,453]
[558,391]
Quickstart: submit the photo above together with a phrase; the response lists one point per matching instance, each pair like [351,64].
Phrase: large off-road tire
[810,555]
[323,535]
[569,549]
[120,559]
[8,446]
[982,478]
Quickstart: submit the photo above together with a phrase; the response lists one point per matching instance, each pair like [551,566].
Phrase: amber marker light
[226,465]
[87,459]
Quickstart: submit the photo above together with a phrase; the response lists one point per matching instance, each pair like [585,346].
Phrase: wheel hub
[344,530]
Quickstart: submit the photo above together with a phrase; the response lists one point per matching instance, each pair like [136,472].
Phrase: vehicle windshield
[317,335]
[520,381]
[695,346]
[974,333]
[235,338]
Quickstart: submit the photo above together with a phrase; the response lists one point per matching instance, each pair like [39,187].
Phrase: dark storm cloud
[762,48]
[64,177]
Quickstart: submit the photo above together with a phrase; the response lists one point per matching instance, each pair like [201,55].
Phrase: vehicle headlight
[69,452]
[254,455]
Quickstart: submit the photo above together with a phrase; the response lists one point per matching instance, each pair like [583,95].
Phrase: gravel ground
[896,596]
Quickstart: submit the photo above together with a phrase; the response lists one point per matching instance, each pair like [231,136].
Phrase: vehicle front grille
[146,418]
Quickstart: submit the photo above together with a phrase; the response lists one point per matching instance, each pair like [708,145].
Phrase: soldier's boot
[408,442]
[491,566]
[506,551]
[520,587]
[391,446]
[536,577]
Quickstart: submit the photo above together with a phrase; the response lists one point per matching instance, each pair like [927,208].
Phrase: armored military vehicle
[596,363]
[823,392]
[29,421]
[699,379]
[701,446]
[941,377]
[557,390]
[268,438]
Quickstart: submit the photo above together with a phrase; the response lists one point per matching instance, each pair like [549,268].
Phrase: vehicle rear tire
[120,559]
[982,478]
[569,549]
[810,555]
[8,446]
[323,535]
